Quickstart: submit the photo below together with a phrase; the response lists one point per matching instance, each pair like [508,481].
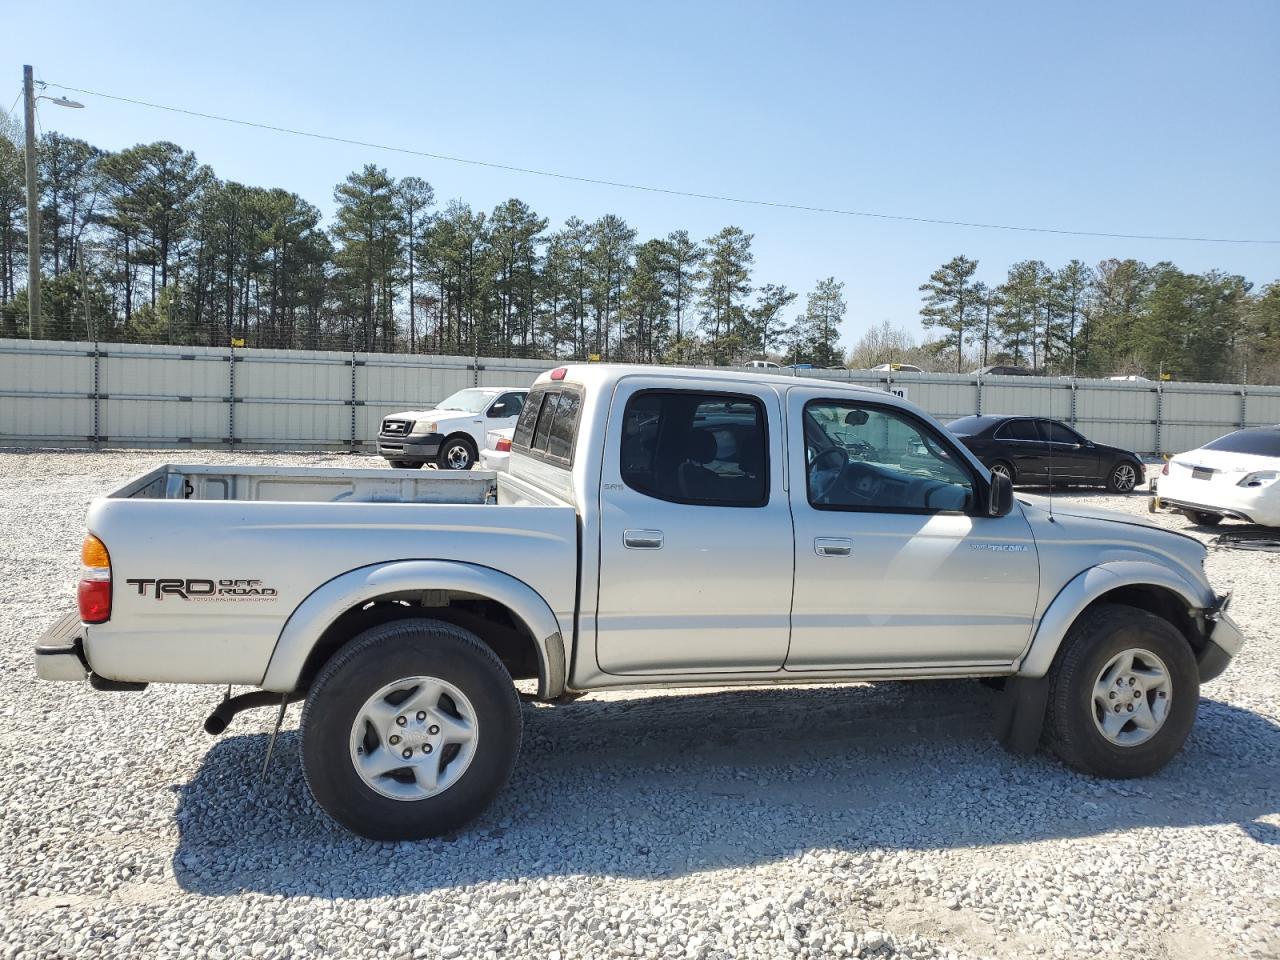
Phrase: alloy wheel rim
[1125,478]
[414,738]
[1131,697]
[1002,470]
[458,457]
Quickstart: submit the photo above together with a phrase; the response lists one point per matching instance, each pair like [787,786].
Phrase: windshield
[471,401]
[1263,442]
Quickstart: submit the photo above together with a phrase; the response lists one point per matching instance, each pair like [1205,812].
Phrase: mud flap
[1021,716]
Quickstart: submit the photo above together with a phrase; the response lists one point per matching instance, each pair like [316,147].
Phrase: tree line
[149,245]
[1118,317]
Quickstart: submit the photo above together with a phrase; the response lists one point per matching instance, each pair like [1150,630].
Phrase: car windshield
[471,401]
[1262,442]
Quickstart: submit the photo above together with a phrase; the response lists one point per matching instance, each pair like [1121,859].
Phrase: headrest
[701,446]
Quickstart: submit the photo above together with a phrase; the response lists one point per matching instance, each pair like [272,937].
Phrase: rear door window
[692,447]
[1020,431]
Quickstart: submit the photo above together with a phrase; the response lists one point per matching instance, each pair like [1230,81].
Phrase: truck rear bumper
[60,651]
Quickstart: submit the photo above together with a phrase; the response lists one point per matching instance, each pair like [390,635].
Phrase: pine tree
[951,303]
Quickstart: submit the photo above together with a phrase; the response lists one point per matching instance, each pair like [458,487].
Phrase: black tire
[1098,636]
[1202,519]
[373,659]
[1003,466]
[1118,478]
[452,451]
[405,464]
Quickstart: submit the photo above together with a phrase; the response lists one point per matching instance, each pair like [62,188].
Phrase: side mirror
[856,418]
[1001,502]
[498,410]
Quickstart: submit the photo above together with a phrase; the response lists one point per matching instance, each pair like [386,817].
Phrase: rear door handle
[642,539]
[832,546]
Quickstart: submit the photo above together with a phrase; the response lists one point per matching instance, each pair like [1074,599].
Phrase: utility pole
[33,205]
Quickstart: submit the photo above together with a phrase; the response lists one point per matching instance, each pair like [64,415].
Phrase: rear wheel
[1124,477]
[410,730]
[1003,469]
[1203,519]
[456,453]
[1123,693]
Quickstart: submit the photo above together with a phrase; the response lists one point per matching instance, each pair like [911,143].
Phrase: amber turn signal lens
[93,552]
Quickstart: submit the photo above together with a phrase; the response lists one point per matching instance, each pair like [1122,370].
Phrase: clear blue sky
[1155,118]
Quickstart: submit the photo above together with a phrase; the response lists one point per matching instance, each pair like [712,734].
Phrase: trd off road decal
[204,589]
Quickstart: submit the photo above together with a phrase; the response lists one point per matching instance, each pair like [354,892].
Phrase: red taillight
[559,372]
[503,445]
[1164,471]
[94,597]
[94,592]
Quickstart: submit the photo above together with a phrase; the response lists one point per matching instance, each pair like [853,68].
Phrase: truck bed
[310,485]
[284,533]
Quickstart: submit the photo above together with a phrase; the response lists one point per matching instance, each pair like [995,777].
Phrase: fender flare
[1087,587]
[326,603]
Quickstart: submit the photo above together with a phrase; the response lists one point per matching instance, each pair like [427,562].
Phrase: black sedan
[1036,450]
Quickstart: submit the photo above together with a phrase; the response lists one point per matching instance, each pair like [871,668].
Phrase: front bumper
[60,651]
[1223,642]
[422,447]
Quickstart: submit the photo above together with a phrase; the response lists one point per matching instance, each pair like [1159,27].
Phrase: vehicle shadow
[664,785]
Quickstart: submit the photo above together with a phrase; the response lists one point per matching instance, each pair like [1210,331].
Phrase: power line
[691,194]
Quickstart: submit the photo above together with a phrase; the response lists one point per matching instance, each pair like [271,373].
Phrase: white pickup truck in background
[656,527]
[452,433]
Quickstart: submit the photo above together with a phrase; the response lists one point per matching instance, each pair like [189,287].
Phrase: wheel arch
[1147,586]
[506,613]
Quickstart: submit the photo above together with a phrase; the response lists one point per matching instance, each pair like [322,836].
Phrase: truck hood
[1071,508]
[436,413]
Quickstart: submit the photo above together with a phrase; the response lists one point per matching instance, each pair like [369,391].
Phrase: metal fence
[56,393]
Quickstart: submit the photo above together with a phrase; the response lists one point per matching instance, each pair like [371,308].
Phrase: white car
[1235,476]
[451,433]
[761,365]
[497,452]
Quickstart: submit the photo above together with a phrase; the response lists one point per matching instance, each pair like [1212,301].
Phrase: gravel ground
[839,821]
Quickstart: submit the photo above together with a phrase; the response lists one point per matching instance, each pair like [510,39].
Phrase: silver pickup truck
[657,527]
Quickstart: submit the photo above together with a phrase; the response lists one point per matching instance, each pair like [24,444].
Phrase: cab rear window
[548,424]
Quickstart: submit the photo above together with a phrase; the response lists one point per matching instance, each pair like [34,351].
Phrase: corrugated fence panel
[161,395]
[1193,414]
[45,391]
[293,397]
[1118,413]
[158,394]
[1263,406]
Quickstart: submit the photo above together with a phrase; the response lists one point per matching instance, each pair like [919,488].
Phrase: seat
[695,480]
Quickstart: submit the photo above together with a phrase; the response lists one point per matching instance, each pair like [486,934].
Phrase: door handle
[832,546]
[642,539]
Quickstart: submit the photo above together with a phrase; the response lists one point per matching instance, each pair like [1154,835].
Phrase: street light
[33,195]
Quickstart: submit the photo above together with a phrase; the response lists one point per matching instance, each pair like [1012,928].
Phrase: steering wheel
[825,469]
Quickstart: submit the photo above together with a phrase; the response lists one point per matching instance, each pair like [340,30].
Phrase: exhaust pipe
[223,714]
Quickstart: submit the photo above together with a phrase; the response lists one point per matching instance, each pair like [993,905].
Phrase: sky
[1158,118]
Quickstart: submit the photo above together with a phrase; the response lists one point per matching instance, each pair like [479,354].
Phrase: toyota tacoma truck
[657,527]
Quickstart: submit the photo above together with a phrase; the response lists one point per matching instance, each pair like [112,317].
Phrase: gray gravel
[855,820]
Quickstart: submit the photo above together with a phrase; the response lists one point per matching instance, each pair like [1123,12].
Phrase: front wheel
[456,453]
[1123,693]
[410,730]
[1123,478]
